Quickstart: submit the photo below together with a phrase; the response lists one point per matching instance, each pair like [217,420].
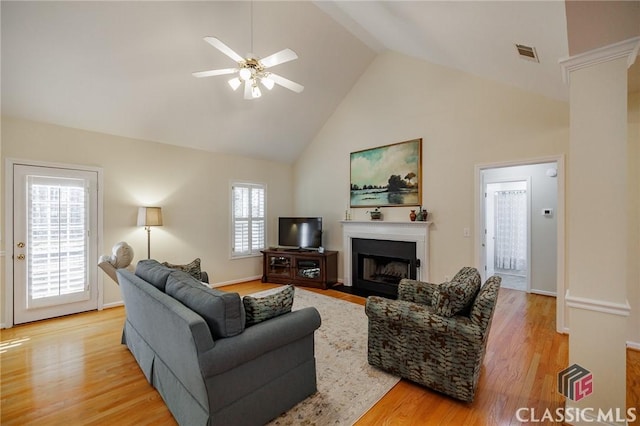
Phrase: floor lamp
[148,217]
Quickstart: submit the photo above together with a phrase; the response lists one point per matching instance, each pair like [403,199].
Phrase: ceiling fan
[252,70]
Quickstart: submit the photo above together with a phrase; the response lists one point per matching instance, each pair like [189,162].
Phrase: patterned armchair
[434,334]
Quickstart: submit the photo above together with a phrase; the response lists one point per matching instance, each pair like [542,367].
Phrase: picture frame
[387,176]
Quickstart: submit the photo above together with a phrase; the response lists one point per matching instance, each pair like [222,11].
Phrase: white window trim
[232,254]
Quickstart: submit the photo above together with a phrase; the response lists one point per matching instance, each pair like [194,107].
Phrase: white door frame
[561,319]
[482,266]
[7,320]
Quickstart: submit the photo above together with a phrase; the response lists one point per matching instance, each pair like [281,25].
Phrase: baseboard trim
[544,293]
[633,345]
[113,304]
[240,280]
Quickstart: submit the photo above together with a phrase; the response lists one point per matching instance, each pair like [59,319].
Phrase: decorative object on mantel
[412,215]
[388,175]
[422,215]
[376,214]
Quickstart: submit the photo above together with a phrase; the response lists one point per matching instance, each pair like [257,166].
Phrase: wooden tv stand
[300,267]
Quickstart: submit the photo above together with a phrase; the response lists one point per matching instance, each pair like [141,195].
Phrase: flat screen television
[300,232]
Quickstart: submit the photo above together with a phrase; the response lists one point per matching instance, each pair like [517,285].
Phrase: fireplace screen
[379,265]
[384,269]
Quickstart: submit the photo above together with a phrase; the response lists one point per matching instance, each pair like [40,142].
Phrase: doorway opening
[507,233]
[546,240]
[518,214]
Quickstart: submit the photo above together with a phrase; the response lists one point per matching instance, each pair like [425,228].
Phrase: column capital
[627,48]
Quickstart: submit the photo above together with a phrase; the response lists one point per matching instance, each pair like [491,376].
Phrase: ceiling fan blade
[211,73]
[284,82]
[224,48]
[278,58]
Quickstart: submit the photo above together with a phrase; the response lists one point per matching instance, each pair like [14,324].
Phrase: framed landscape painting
[388,175]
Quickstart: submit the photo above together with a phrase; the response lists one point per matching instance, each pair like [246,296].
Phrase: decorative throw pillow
[260,309]
[453,298]
[192,268]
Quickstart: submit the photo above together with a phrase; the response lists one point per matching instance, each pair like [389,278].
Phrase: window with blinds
[57,240]
[248,219]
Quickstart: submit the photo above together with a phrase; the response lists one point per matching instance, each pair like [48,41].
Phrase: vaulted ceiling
[124,68]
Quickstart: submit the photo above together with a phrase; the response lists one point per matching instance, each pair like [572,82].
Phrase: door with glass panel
[55,237]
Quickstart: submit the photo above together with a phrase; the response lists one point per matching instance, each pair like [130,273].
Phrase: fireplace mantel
[417,232]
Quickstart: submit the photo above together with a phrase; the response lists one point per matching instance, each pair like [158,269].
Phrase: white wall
[191,186]
[463,120]
[544,194]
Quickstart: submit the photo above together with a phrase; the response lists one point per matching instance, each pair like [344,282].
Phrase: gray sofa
[209,368]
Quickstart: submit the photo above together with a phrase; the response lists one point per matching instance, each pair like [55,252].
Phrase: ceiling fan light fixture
[255,91]
[267,82]
[235,83]
[245,73]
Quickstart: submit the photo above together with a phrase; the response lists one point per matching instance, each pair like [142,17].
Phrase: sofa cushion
[192,268]
[223,312]
[455,298]
[153,272]
[262,308]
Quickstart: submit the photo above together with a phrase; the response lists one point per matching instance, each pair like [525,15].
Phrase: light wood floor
[74,371]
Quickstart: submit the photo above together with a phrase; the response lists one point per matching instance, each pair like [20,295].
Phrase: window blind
[248,219]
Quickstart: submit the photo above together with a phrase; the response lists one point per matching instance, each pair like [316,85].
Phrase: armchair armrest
[409,316]
[416,291]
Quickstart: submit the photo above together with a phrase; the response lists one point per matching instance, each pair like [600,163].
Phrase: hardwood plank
[73,370]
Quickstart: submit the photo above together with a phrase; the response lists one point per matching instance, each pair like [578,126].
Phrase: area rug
[347,385]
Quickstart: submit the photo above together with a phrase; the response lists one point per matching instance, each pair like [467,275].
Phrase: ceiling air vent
[526,52]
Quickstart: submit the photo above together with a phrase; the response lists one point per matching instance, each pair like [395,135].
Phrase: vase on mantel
[424,215]
[412,215]
[419,216]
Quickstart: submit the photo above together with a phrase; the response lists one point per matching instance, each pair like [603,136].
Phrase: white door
[55,214]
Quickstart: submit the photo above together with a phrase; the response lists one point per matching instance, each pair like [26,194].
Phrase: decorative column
[597,193]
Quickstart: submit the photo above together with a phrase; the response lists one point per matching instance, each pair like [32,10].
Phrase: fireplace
[379,265]
[377,254]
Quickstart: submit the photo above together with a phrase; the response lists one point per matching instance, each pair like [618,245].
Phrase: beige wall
[463,120]
[593,24]
[192,187]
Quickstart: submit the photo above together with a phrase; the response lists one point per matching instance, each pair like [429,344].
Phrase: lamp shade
[149,216]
